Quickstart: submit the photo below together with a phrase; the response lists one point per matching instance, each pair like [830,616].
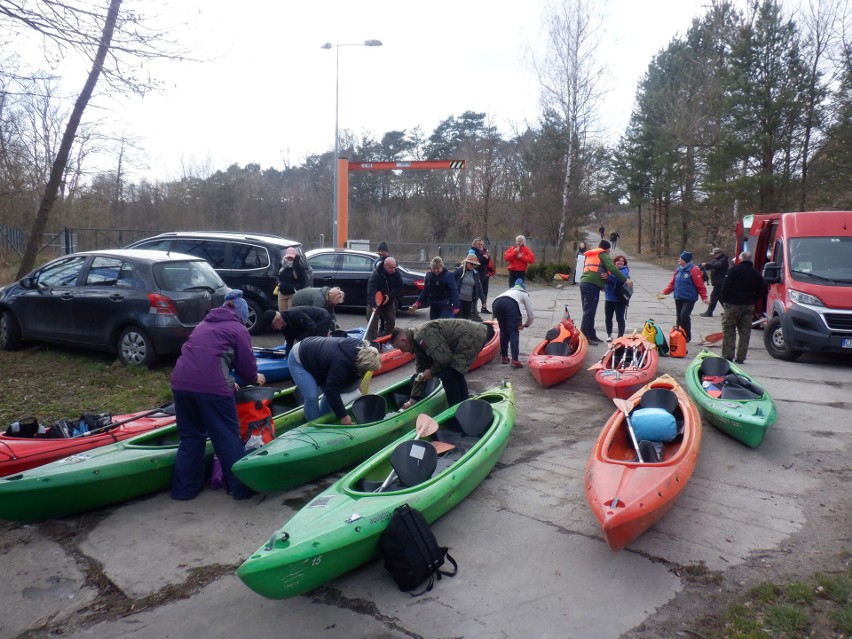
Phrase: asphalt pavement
[532,562]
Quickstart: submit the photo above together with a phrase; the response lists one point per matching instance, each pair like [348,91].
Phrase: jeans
[590,294]
[440,313]
[508,315]
[199,416]
[314,407]
[620,311]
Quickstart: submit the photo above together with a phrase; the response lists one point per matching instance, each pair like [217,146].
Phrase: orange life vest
[593,263]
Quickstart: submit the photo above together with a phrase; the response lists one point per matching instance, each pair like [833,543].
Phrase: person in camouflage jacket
[444,348]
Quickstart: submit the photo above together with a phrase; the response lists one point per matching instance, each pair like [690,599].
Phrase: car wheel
[10,332]
[776,345]
[135,348]
[254,315]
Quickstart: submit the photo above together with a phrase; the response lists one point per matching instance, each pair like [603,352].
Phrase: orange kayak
[555,360]
[628,497]
[392,358]
[629,364]
[489,350]
[18,454]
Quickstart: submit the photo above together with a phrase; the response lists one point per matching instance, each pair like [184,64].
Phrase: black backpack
[411,551]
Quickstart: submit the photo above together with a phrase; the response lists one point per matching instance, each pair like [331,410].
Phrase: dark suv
[137,304]
[247,261]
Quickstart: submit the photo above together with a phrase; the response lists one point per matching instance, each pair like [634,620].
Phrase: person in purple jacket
[204,396]
[331,365]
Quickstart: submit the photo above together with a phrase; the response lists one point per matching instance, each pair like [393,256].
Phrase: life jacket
[593,263]
[677,342]
[254,412]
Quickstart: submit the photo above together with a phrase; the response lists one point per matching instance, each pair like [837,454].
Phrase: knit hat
[383,246]
[234,299]
[519,284]
[686,256]
[716,251]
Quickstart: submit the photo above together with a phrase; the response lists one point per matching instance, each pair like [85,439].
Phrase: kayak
[110,474]
[628,364]
[627,496]
[339,529]
[392,358]
[729,398]
[272,362]
[324,446]
[20,453]
[490,349]
[560,355]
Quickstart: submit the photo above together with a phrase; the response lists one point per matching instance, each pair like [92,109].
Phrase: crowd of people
[324,364]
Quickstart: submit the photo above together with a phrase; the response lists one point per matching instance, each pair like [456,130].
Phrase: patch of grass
[787,620]
[765,593]
[799,593]
[52,383]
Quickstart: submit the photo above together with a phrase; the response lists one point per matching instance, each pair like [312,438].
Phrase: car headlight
[804,298]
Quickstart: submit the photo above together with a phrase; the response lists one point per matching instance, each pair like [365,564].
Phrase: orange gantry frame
[342,195]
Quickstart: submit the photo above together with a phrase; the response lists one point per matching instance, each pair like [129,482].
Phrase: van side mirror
[771,273]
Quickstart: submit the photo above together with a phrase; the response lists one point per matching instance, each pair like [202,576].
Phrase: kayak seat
[414,461]
[368,408]
[558,349]
[551,334]
[474,416]
[739,387]
[715,366]
[659,398]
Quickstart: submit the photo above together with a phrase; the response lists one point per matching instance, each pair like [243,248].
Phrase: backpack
[651,333]
[411,551]
[677,341]
[255,414]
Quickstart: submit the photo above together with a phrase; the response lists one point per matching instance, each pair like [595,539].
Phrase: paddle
[600,364]
[625,407]
[712,338]
[379,299]
[425,426]
[364,386]
[160,409]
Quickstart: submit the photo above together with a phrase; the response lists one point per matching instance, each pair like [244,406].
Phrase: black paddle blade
[560,349]
[414,461]
[659,398]
[551,334]
[715,366]
[474,416]
[368,408]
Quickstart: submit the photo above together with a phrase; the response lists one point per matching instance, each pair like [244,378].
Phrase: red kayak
[392,358]
[627,496]
[560,355]
[19,453]
[630,363]
[490,349]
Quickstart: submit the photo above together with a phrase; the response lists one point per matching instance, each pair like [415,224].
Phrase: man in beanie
[298,323]
[597,268]
[507,312]
[718,270]
[382,250]
[740,292]
[204,396]
[687,284]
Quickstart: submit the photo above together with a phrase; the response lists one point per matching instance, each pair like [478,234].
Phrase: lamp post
[329,45]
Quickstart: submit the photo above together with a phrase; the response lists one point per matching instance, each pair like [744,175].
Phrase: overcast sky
[266,90]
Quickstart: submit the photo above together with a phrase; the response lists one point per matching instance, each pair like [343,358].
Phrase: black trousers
[683,316]
[455,385]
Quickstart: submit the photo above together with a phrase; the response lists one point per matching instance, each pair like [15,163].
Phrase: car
[350,269]
[138,304]
[247,261]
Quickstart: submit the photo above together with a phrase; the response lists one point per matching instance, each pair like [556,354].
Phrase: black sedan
[350,269]
[136,303]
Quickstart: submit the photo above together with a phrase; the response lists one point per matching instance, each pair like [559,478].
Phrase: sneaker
[705,314]
[516,364]
[609,338]
[739,361]
[505,359]
[485,310]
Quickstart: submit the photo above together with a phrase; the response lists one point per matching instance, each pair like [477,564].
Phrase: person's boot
[516,364]
[706,314]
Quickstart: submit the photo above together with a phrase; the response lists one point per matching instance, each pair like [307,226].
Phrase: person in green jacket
[596,269]
[443,348]
[326,297]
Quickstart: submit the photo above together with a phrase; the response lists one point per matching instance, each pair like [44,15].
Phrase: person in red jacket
[518,258]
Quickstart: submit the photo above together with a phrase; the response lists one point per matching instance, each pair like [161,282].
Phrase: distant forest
[748,112]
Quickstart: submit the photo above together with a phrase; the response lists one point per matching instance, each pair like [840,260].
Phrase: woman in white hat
[469,285]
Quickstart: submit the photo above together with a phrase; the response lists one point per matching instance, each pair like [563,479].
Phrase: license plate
[846,342]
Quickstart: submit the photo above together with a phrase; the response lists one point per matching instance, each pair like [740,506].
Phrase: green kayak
[729,398]
[111,474]
[339,529]
[323,446]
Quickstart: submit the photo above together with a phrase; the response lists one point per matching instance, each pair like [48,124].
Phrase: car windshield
[186,276]
[821,258]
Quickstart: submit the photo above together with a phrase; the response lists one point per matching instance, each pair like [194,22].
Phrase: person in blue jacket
[204,397]
[332,365]
[614,303]
[441,292]
[687,284]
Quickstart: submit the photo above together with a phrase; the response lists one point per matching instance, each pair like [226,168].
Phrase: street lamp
[329,45]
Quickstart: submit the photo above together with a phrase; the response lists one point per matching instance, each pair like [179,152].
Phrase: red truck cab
[806,260]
